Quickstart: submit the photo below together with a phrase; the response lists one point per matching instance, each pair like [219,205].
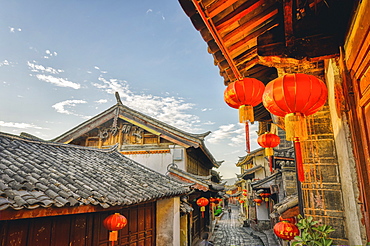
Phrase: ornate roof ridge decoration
[40,174]
[146,122]
[244,159]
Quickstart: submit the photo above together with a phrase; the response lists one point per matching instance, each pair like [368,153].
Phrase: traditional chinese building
[144,139]
[59,194]
[329,40]
[159,146]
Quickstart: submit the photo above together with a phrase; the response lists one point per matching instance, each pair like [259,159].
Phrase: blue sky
[62,61]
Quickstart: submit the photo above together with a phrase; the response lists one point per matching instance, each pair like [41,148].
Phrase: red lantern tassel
[299,164]
[247,142]
[270,162]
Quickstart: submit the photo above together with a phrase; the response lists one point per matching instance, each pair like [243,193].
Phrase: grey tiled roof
[37,173]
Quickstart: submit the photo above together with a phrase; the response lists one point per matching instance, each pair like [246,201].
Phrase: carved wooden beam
[288,22]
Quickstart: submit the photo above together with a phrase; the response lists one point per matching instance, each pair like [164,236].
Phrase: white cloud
[50,54]
[19,125]
[58,81]
[234,134]
[222,133]
[12,29]
[209,123]
[61,107]
[172,110]
[41,70]
[149,10]
[4,63]
[102,101]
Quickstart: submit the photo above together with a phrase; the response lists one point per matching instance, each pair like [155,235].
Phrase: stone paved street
[230,232]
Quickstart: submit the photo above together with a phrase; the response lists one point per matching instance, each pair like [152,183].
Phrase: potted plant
[312,233]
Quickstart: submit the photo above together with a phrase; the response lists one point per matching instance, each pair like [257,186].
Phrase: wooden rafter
[241,44]
[212,29]
[231,19]
[218,7]
[249,26]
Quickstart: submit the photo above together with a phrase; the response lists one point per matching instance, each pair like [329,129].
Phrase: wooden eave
[172,134]
[150,125]
[249,38]
[248,158]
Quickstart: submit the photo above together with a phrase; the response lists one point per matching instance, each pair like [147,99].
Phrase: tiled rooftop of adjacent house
[36,174]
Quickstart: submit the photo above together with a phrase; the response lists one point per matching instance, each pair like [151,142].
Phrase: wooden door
[81,229]
[356,71]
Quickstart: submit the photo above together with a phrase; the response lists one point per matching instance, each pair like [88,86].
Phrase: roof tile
[34,173]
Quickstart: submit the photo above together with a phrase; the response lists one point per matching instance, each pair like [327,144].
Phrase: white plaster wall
[346,162]
[168,222]
[159,162]
[262,212]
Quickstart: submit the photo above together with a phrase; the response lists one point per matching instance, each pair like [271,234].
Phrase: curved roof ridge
[46,142]
[198,136]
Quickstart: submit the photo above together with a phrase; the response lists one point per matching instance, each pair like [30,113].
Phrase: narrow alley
[230,232]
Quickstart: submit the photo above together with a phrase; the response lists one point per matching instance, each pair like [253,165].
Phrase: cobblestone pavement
[230,232]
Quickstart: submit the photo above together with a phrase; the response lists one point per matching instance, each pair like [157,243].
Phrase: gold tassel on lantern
[295,126]
[246,114]
[269,151]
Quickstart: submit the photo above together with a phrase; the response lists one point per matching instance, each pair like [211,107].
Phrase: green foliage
[312,233]
[218,212]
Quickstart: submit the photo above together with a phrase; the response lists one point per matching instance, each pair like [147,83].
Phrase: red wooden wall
[81,229]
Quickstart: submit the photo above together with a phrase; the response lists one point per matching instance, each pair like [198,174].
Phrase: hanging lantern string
[270,164]
[298,158]
[247,140]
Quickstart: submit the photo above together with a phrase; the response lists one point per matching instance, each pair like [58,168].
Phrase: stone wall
[322,193]
[322,190]
[168,222]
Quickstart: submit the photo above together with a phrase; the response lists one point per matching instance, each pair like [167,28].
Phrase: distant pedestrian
[205,241]
[229,210]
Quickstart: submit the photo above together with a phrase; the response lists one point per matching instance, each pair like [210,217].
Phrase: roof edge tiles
[39,174]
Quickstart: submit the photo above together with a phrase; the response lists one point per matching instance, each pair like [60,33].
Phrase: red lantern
[114,223]
[244,94]
[258,201]
[286,230]
[212,199]
[269,141]
[244,190]
[295,96]
[241,201]
[265,196]
[245,193]
[202,203]
[290,220]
